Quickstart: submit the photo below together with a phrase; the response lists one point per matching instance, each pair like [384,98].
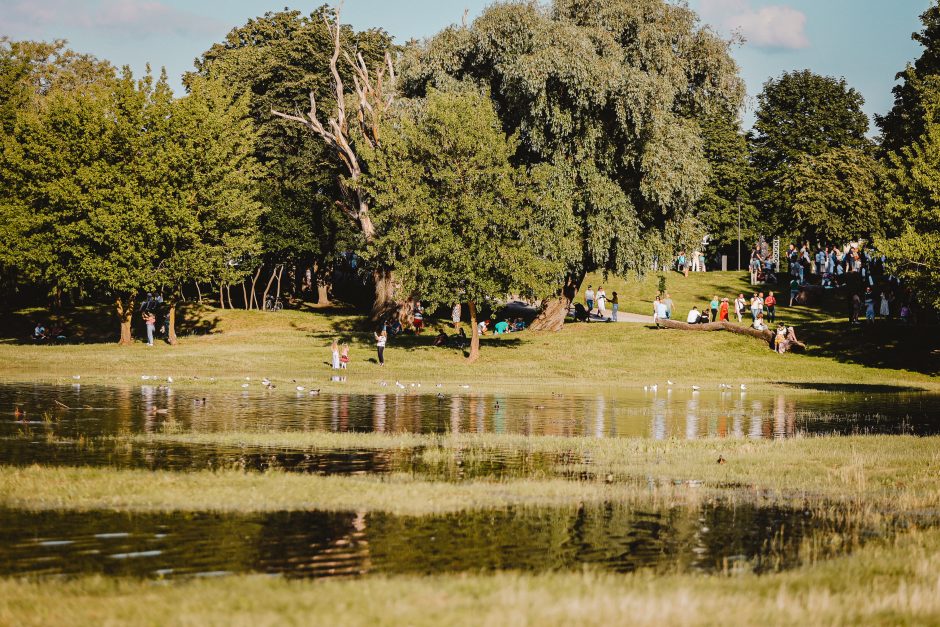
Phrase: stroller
[580,313]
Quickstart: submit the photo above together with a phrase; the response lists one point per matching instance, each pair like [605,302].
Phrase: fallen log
[766,336]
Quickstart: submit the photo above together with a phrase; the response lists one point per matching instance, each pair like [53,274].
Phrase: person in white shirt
[601,302]
[693,317]
[589,299]
[740,306]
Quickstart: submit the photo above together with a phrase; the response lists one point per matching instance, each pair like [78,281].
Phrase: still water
[74,411]
[710,539]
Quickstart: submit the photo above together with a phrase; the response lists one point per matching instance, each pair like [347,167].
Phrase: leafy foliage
[457,221]
[608,90]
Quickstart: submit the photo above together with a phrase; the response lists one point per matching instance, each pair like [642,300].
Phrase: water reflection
[610,537]
[81,411]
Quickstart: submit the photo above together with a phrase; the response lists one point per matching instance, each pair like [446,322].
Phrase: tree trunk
[766,336]
[474,334]
[280,273]
[384,304]
[199,292]
[221,296]
[125,312]
[254,289]
[267,288]
[171,324]
[228,294]
[555,310]
[245,296]
[323,285]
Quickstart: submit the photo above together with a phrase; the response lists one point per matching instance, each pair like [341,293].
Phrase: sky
[865,41]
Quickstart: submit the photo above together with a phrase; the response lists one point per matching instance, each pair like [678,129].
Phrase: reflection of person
[380,339]
[151,321]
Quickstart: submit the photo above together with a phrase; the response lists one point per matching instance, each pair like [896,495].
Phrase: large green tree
[455,220]
[111,187]
[612,91]
[914,175]
[277,60]
[904,124]
[800,115]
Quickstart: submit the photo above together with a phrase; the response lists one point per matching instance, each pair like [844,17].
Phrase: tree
[836,196]
[346,138]
[610,91]
[913,173]
[800,114]
[904,124]
[725,203]
[454,219]
[210,180]
[276,60]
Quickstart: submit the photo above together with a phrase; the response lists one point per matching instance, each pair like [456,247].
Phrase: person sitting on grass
[482,326]
[518,325]
[39,333]
[441,339]
[694,317]
[502,327]
[393,327]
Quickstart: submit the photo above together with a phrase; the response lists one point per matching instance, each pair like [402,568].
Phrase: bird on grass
[301,388]
[315,392]
[668,382]
[169,379]
[77,377]
[398,384]
[743,387]
[244,385]
[722,460]
[696,388]
[466,387]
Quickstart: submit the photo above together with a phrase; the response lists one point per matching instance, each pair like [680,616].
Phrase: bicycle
[273,304]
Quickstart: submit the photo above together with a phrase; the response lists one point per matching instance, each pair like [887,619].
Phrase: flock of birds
[695,388]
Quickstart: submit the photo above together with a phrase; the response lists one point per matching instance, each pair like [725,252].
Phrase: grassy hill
[229,345]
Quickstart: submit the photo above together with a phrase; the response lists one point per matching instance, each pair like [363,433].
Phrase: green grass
[892,582]
[893,472]
[294,345]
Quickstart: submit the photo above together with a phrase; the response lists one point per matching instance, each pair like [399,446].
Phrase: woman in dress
[601,303]
[334,348]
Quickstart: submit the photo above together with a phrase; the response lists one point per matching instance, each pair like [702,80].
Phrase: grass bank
[292,348]
[894,473]
[892,582]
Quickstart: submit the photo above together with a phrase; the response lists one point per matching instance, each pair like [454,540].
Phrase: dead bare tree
[374,98]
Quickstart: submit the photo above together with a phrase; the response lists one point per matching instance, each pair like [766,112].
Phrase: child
[344,356]
[334,349]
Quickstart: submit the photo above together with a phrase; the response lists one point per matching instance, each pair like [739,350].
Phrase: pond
[711,539]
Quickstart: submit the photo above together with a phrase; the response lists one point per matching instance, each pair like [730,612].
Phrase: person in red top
[723,310]
[770,304]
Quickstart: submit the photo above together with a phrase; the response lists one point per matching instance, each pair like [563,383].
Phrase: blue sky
[866,41]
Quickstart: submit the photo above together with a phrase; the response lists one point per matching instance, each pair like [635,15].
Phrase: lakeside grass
[896,474]
[292,348]
[886,582]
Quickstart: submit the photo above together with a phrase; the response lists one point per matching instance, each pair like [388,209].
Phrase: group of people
[42,335]
[695,263]
[596,303]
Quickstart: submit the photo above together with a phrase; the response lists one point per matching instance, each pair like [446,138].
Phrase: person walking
[601,302]
[757,306]
[755,267]
[380,339]
[615,306]
[794,290]
[589,299]
[667,301]
[334,353]
[151,321]
[771,304]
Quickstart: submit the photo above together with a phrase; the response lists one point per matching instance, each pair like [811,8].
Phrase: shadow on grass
[97,324]
[883,344]
[860,388]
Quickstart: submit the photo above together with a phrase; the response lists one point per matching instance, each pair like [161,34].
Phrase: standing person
[601,302]
[885,308]
[418,317]
[380,339]
[589,299]
[455,316]
[151,321]
[667,301]
[856,308]
[794,290]
[755,267]
[344,356]
[740,306]
[820,261]
[757,306]
[869,305]
[334,350]
[771,304]
[615,306]
[714,305]
[658,310]
[683,264]
[723,310]
[796,268]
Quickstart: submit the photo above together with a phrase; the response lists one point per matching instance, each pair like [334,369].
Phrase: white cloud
[772,26]
[130,18]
